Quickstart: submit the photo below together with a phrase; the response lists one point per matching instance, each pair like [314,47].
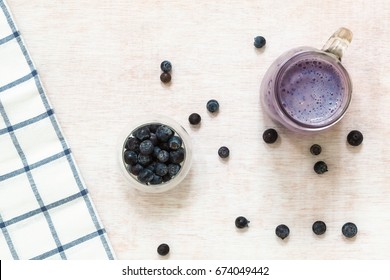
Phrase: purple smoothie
[311,91]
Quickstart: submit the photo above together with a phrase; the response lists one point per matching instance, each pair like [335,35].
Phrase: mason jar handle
[338,42]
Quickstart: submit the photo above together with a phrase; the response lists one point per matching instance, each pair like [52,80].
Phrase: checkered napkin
[45,209]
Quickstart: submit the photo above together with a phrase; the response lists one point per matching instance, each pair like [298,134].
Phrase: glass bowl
[178,130]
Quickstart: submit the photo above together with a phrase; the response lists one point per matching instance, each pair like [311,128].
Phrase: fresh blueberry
[270,136]
[241,222]
[163,133]
[320,167]
[166,177]
[177,156]
[142,133]
[166,66]
[173,169]
[146,147]
[349,230]
[130,157]
[145,176]
[355,138]
[174,142]
[136,169]
[152,166]
[212,106]
[259,42]
[153,127]
[156,151]
[132,144]
[156,180]
[161,169]
[163,156]
[164,146]
[144,160]
[315,149]
[223,152]
[163,249]
[319,227]
[194,118]
[154,139]
[282,231]
[165,77]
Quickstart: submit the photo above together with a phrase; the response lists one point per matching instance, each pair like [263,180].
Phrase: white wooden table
[99,62]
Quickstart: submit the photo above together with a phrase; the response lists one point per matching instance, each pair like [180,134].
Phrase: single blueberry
[177,156]
[166,177]
[212,106]
[144,160]
[194,118]
[153,138]
[315,149]
[175,142]
[145,176]
[270,136]
[166,66]
[163,133]
[223,152]
[282,231]
[241,222]
[132,144]
[165,77]
[349,230]
[355,138]
[320,167]
[156,151]
[319,227]
[259,42]
[142,133]
[163,156]
[161,169]
[163,249]
[130,157]
[146,147]
[153,127]
[152,166]
[136,169]
[156,180]
[173,169]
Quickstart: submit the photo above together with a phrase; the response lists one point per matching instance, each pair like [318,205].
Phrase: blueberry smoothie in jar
[311,91]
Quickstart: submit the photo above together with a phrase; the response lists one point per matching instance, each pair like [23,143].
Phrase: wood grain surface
[99,62]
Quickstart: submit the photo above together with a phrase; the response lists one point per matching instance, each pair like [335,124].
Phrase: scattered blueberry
[132,144]
[241,222]
[174,142]
[223,152]
[212,106]
[145,175]
[166,66]
[315,149]
[144,160]
[355,138]
[282,231]
[156,180]
[320,167]
[163,156]
[270,136]
[194,118]
[319,227]
[163,249]
[130,157]
[163,133]
[259,42]
[146,147]
[136,169]
[142,133]
[177,156]
[173,169]
[165,77]
[349,230]
[161,169]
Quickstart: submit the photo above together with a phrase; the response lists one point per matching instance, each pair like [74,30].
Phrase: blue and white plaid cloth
[45,209]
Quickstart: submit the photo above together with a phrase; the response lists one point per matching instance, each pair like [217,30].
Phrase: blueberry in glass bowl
[155,153]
